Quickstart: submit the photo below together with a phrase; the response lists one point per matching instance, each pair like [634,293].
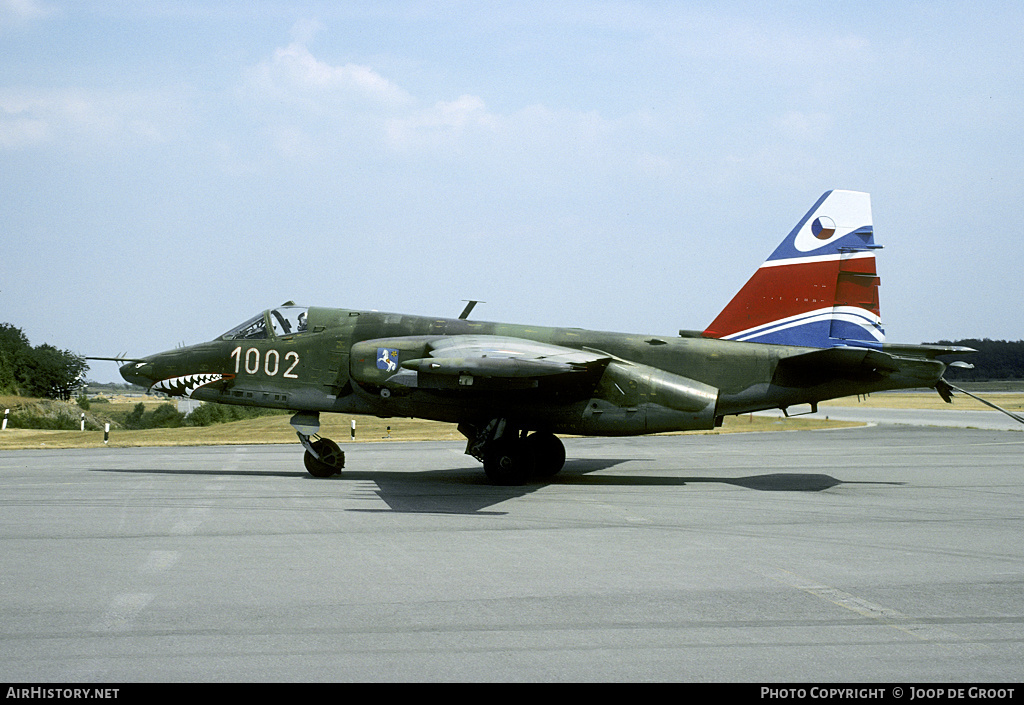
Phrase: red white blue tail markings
[819,288]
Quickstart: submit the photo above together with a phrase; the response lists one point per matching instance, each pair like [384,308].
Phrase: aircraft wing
[499,356]
[471,362]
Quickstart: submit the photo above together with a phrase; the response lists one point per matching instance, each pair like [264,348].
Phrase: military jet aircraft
[805,328]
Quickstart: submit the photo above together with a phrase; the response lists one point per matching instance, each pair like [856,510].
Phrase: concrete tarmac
[958,418]
[885,554]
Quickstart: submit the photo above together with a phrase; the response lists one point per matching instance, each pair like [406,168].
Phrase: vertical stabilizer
[819,288]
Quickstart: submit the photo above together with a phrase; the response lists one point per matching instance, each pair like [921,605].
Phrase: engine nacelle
[641,399]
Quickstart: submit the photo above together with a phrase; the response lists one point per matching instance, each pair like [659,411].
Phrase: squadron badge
[387,359]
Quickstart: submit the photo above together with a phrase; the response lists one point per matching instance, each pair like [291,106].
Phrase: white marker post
[83,420]
[106,432]
[353,429]
[6,412]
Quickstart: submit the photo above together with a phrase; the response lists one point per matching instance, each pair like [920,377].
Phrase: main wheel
[505,463]
[331,461]
[546,453]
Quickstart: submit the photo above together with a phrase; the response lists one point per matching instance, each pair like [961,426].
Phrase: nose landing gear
[330,460]
[323,457]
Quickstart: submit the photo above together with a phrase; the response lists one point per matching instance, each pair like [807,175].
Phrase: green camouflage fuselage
[634,384]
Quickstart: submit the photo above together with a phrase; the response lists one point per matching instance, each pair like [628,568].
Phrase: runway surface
[959,418]
[883,554]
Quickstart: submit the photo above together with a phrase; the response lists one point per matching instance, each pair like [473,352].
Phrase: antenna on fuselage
[469,307]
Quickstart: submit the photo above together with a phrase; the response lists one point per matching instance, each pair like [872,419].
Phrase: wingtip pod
[819,288]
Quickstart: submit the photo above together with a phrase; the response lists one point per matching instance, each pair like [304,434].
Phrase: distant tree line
[168,416]
[41,371]
[995,360]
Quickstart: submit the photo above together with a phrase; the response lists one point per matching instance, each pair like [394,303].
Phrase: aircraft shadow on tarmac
[224,473]
[468,491]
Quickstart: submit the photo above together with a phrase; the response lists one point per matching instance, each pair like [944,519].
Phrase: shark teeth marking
[185,385]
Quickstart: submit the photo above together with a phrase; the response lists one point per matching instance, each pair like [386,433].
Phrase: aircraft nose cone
[136,373]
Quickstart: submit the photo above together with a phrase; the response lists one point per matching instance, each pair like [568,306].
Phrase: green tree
[43,371]
[13,349]
[6,374]
[49,372]
[137,418]
[995,360]
[166,416]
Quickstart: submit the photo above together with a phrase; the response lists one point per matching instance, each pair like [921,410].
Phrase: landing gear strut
[510,456]
[323,457]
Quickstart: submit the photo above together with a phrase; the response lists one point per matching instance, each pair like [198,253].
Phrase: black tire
[332,459]
[505,463]
[546,453]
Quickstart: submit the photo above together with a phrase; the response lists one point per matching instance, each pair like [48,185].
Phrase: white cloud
[77,117]
[304,31]
[311,110]
[22,11]
[310,105]
[440,123]
[21,123]
[295,76]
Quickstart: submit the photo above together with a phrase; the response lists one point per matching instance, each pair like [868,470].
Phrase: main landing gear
[323,457]
[510,456]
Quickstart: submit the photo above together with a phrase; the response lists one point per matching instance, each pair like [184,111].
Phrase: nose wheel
[323,457]
[328,461]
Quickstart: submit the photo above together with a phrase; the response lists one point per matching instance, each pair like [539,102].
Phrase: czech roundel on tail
[805,328]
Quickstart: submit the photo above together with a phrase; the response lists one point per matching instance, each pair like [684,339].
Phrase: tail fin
[819,288]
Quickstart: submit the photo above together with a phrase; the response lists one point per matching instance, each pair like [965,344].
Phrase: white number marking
[271,362]
[252,361]
[292,355]
[271,371]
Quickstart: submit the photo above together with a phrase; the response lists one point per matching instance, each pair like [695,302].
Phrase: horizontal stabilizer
[927,351]
[812,368]
[844,358]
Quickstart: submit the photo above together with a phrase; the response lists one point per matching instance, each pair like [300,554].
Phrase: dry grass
[1014,401]
[276,429]
[264,430]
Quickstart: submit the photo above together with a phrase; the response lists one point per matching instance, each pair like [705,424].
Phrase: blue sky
[168,169]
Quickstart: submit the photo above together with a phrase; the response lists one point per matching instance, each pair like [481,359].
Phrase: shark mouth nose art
[186,385]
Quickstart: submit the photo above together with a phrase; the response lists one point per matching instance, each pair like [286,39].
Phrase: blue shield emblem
[387,359]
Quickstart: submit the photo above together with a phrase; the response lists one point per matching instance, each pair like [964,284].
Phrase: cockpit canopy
[283,321]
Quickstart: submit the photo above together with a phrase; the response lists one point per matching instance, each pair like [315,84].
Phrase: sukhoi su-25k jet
[806,327]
